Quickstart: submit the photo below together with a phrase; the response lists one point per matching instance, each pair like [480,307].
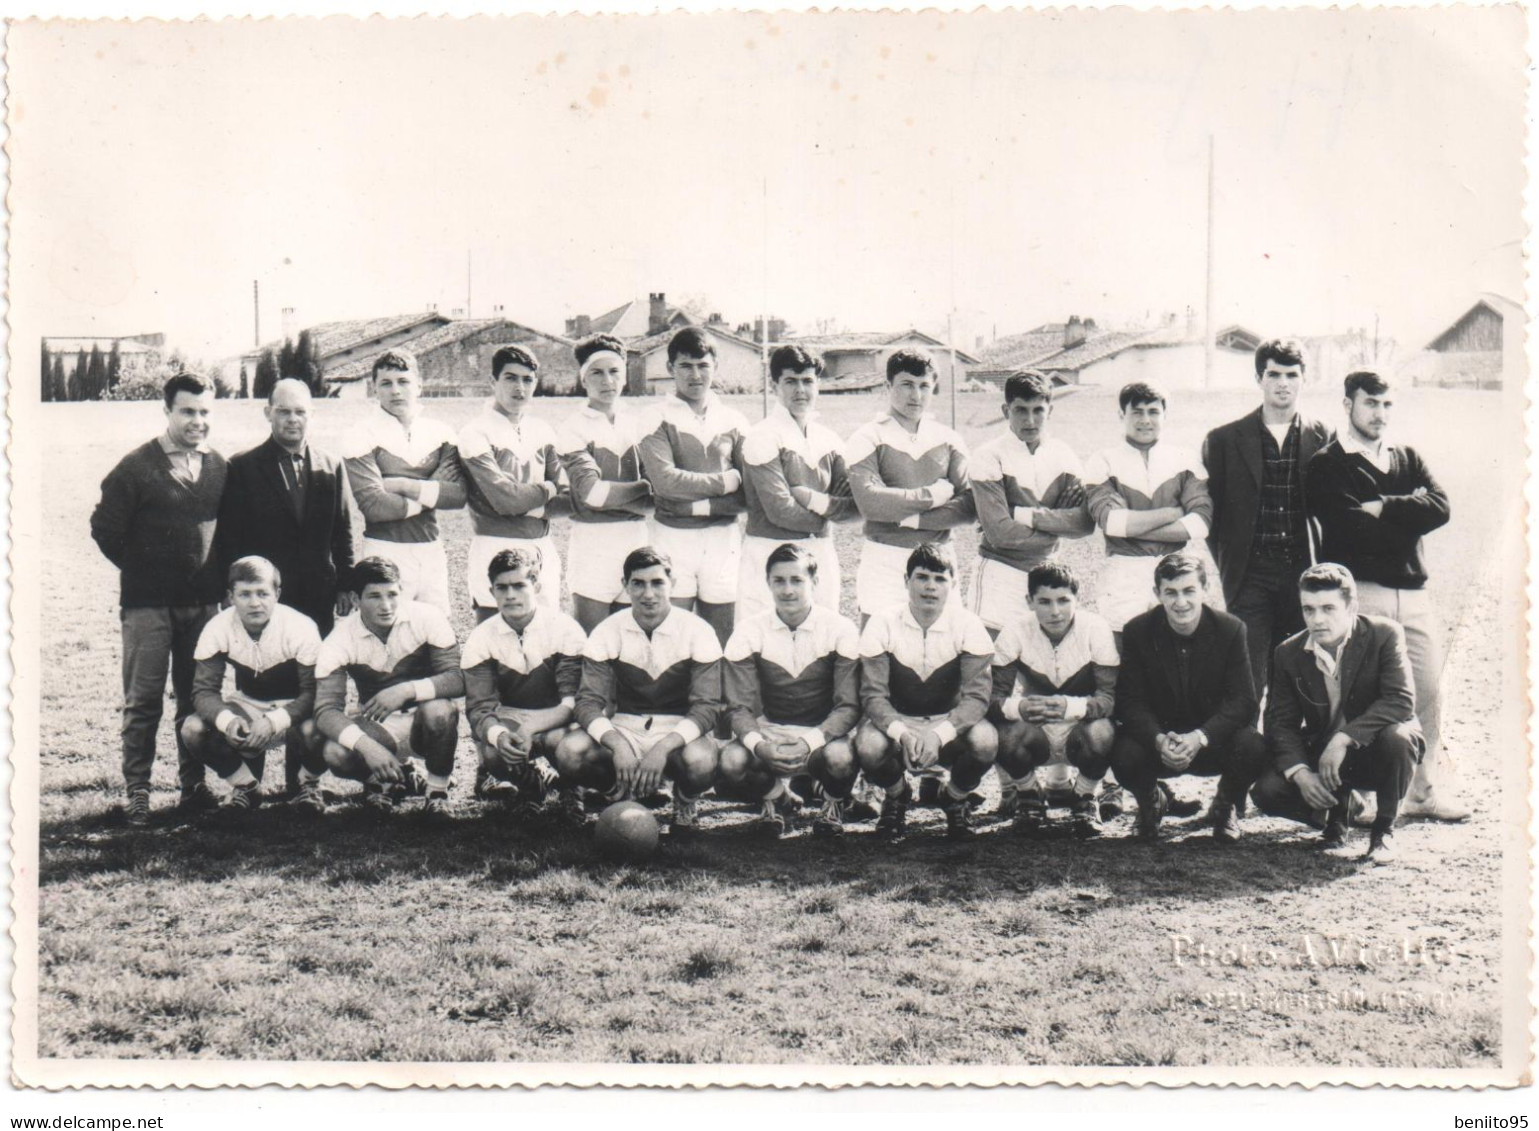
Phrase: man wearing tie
[284,501]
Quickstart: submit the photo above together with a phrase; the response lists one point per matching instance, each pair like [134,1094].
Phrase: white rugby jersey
[597,452]
[777,455]
[894,475]
[1019,495]
[538,668]
[687,456]
[1118,480]
[277,666]
[674,671]
[1028,662]
[406,654]
[922,673]
[506,467]
[378,446]
[805,676]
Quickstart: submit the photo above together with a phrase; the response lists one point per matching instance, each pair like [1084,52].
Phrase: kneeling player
[405,663]
[925,689]
[649,698]
[1055,676]
[793,693]
[522,668]
[273,650]
[1186,703]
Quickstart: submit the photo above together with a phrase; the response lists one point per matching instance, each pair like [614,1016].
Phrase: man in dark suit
[1186,703]
[284,501]
[1341,715]
[1260,535]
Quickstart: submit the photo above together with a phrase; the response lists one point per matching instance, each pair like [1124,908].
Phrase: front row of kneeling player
[812,703]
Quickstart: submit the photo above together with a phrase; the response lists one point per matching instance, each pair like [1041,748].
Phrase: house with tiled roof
[1480,349]
[455,358]
[630,320]
[739,360]
[1029,350]
[855,361]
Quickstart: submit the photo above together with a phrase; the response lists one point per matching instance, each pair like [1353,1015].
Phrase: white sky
[1021,167]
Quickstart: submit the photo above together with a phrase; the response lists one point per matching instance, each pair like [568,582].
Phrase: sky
[875,170]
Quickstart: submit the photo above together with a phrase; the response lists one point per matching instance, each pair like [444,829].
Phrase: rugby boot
[894,815]
[1087,817]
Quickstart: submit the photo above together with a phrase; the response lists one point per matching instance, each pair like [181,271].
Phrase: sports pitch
[358,939]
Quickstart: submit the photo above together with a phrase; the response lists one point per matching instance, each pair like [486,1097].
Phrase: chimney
[288,322]
[1191,322]
[571,327]
[497,310]
[657,313]
[584,325]
[1073,332]
[457,312]
[1090,327]
[777,329]
[714,320]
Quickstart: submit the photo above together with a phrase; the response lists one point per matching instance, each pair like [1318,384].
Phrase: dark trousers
[323,613]
[1237,764]
[158,641]
[1384,768]
[1268,603]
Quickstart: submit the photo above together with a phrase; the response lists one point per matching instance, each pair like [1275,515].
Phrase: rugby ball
[626,831]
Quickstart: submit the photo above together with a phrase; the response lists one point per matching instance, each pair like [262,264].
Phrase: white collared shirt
[1381,457]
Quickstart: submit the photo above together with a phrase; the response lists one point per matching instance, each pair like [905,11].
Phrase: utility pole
[256,317]
[1207,305]
[468,313]
[764,374]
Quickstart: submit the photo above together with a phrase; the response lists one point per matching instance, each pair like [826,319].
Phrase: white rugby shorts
[483,548]
[705,560]
[424,569]
[880,583]
[753,595]
[596,558]
[999,593]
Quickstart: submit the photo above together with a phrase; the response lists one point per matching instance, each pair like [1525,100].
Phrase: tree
[77,379]
[96,374]
[308,359]
[114,365]
[288,360]
[60,382]
[245,386]
[47,372]
[266,375]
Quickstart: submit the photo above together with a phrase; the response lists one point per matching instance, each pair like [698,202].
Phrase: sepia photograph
[770,548]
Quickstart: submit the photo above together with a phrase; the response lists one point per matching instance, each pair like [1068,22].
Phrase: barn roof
[433,337]
[1506,309]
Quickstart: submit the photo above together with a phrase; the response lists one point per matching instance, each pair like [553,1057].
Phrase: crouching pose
[1186,701]
[405,663]
[649,698]
[792,685]
[1340,715]
[925,688]
[273,650]
[1055,674]
[522,668]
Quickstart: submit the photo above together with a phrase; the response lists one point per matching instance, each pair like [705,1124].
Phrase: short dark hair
[597,344]
[645,557]
[1172,566]
[1284,351]
[933,556]
[692,341]
[397,360]
[792,552]
[1052,575]
[914,362]
[1028,385]
[527,558]
[253,568]
[373,571]
[1326,576]
[1140,392]
[789,359]
[1366,380]
[193,383]
[514,355]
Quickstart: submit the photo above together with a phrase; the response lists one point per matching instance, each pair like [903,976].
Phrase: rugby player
[649,699]
[273,650]
[698,494]
[512,474]
[925,687]
[405,663]
[792,683]
[610,499]
[522,669]
[403,469]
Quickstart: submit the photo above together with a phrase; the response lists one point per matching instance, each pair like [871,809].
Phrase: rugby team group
[704,649]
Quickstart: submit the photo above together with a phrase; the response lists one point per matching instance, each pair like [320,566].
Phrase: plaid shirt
[1280,529]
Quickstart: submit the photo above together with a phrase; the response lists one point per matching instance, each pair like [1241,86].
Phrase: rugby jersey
[420,649]
[1019,495]
[511,473]
[776,456]
[675,671]
[1082,667]
[688,460]
[597,453]
[922,673]
[380,446]
[897,477]
[807,676]
[1119,480]
[279,665]
[537,668]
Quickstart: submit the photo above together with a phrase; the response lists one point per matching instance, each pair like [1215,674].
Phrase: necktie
[295,476]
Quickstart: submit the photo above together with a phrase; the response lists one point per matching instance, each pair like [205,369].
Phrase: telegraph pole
[256,317]
[1207,304]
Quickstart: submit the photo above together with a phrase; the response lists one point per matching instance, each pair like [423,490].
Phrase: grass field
[355,939]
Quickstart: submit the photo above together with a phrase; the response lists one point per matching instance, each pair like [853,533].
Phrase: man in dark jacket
[1340,715]
[155,522]
[284,501]
[1256,476]
[1186,703]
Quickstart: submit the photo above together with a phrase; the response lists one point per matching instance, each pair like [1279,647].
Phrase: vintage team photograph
[770,548]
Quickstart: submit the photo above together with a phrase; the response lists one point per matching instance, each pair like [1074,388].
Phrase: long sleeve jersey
[1019,497]
[599,455]
[807,676]
[276,668]
[910,671]
[910,487]
[380,446]
[1120,479]
[676,670]
[420,649]
[538,668]
[688,459]
[777,456]
[512,473]
[1082,667]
